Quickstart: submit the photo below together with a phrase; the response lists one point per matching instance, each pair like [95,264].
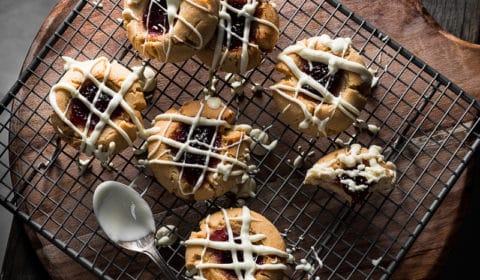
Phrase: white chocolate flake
[212,86]
[257,89]
[376,262]
[373,128]
[245,189]
[214,102]
[298,161]
[147,76]
[361,125]
[165,235]
[98,4]
[307,267]
[261,144]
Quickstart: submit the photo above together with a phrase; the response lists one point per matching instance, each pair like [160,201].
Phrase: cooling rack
[428,127]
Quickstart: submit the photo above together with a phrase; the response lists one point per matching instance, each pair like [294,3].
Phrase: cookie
[170,31]
[353,172]
[97,106]
[236,243]
[326,85]
[246,31]
[196,151]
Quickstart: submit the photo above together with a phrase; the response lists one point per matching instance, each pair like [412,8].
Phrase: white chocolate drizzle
[141,150]
[317,257]
[89,139]
[339,143]
[211,87]
[257,89]
[261,144]
[361,125]
[165,235]
[245,189]
[310,268]
[84,164]
[355,163]
[98,4]
[307,267]
[247,12]
[335,62]
[244,270]
[376,262]
[300,159]
[147,76]
[227,166]
[237,84]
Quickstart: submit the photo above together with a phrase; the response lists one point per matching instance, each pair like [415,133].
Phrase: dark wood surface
[429,254]
[458,17]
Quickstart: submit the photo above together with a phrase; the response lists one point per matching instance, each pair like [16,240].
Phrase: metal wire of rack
[428,126]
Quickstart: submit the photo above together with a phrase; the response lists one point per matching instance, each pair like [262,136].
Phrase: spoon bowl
[127,220]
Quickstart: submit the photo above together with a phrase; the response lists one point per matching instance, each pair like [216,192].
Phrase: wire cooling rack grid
[428,127]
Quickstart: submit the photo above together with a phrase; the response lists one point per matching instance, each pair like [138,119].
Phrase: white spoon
[127,220]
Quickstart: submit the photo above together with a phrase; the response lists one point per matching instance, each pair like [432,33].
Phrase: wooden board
[416,31]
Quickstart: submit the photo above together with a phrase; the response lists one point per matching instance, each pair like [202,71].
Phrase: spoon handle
[152,252]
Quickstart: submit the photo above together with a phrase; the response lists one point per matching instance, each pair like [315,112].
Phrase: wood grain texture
[56,17]
[413,28]
[458,17]
[21,262]
[416,30]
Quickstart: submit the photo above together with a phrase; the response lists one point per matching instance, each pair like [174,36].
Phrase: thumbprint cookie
[247,30]
[196,151]
[170,30]
[97,106]
[325,87]
[236,243]
[353,172]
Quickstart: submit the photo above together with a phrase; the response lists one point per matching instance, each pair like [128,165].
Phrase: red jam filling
[225,257]
[80,112]
[319,72]
[155,18]
[238,25]
[201,138]
[357,196]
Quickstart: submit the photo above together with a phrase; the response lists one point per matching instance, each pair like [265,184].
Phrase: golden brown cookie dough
[241,53]
[196,151]
[98,122]
[325,87]
[209,250]
[173,37]
[353,172]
